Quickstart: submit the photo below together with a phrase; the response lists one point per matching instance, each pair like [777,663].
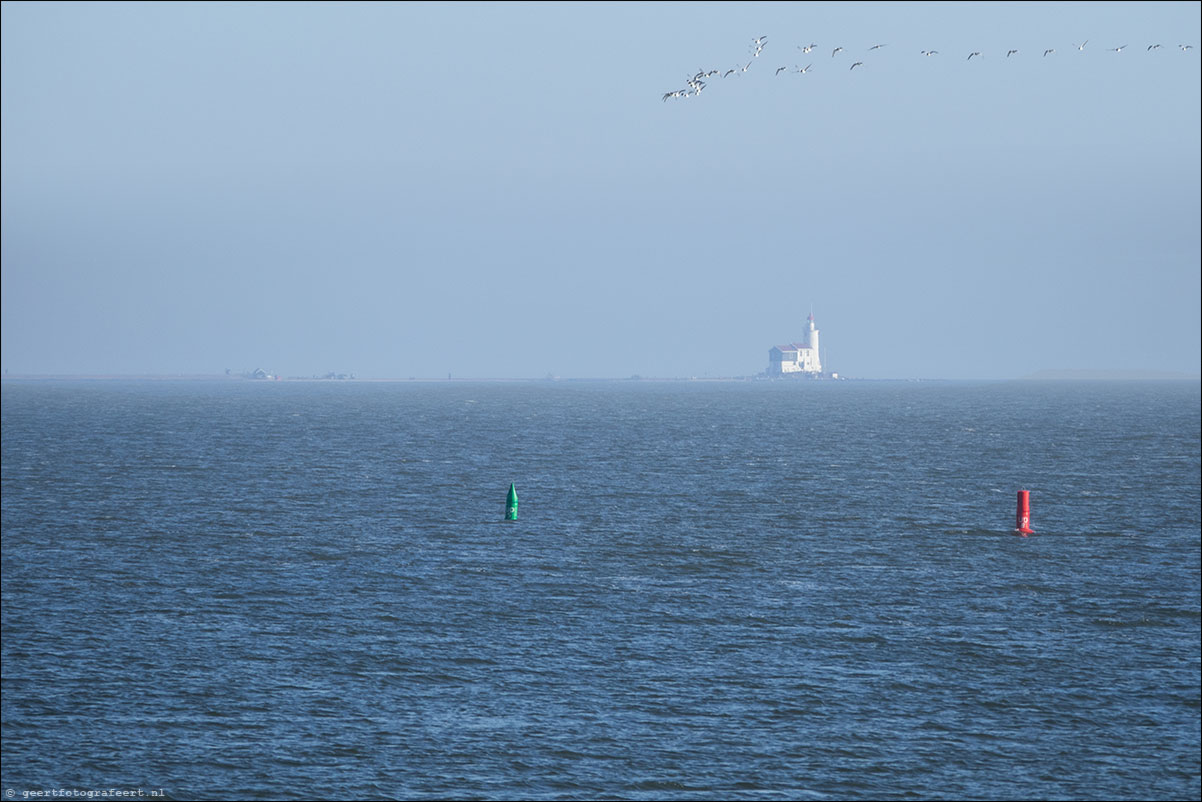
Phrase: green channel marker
[511,504]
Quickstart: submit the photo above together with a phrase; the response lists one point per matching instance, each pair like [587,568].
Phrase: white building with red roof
[796,357]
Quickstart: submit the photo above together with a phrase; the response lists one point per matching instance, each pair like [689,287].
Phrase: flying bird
[1185,47]
[1010,53]
[1082,45]
[806,49]
[837,49]
[805,69]
[857,64]
[1153,47]
[876,47]
[930,52]
[1049,50]
[973,53]
[779,70]
[1118,49]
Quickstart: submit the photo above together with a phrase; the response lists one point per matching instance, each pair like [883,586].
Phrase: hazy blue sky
[499,190]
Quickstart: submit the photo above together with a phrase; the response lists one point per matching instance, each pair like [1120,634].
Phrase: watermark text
[86,793]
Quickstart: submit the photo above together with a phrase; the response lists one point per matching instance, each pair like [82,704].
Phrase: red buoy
[1022,517]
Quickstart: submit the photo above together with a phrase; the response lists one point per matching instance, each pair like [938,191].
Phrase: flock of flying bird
[696,82]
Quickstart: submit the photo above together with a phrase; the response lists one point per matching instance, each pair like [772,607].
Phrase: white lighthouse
[797,357]
[813,341]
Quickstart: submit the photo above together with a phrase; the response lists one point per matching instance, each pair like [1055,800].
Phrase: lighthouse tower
[812,342]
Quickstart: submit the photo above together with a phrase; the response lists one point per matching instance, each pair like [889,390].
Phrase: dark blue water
[713,590]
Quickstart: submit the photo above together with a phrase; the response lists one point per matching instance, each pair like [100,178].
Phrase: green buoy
[511,504]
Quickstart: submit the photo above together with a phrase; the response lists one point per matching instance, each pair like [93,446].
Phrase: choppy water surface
[713,590]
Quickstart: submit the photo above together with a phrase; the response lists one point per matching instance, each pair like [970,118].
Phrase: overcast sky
[501,190]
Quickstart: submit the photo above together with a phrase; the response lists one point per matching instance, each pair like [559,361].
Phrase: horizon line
[1072,374]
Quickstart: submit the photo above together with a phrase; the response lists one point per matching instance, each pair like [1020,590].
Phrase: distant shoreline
[1109,375]
[1042,375]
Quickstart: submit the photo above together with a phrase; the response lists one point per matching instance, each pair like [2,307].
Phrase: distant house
[796,357]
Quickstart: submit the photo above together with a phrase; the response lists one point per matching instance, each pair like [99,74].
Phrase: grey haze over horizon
[397,190]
